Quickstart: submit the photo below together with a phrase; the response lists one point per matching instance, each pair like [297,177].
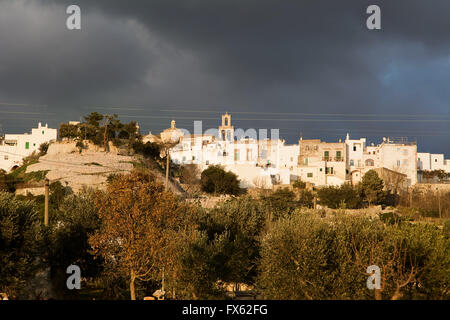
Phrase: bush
[338,197]
[20,246]
[306,199]
[233,231]
[372,187]
[306,257]
[216,180]
[299,184]
[71,226]
[280,202]
[43,148]
[148,150]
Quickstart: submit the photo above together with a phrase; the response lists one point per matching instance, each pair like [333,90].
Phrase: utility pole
[167,169]
[105,136]
[47,183]
[439,203]
[410,197]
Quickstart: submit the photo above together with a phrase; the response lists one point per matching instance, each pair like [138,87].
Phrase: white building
[256,162]
[431,162]
[268,161]
[15,147]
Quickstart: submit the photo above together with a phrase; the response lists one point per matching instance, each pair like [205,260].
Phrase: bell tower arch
[226,130]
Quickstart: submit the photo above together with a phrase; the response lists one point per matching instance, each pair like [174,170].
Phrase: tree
[71,226]
[190,175]
[94,119]
[20,245]
[43,148]
[216,180]
[299,184]
[306,198]
[235,227]
[306,257]
[372,187]
[280,202]
[294,259]
[138,218]
[344,196]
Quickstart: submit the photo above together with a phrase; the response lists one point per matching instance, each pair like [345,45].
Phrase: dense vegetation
[216,180]
[130,237]
[100,129]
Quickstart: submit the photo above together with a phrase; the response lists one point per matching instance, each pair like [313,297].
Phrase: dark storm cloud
[254,56]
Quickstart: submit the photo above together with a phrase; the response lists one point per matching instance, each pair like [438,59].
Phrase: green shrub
[299,184]
[216,180]
[339,197]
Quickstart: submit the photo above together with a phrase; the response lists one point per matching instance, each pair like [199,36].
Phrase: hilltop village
[263,163]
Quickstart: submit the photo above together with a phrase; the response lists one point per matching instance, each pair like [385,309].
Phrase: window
[320,169]
[305,161]
[309,175]
[435,160]
[184,158]
[326,155]
[338,155]
[6,157]
[193,157]
[207,162]
[236,155]
[42,132]
[27,145]
[398,163]
[370,163]
[329,170]
[352,163]
[354,148]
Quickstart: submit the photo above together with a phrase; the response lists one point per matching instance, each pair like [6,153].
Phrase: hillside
[63,162]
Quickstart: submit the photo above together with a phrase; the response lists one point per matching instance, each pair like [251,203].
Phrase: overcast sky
[309,67]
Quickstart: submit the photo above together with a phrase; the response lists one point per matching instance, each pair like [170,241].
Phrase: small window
[309,174]
[352,163]
[354,148]
[27,145]
[435,160]
[398,163]
[305,161]
[6,157]
[320,169]
[43,132]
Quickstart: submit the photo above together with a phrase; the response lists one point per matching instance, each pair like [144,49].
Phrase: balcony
[333,159]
